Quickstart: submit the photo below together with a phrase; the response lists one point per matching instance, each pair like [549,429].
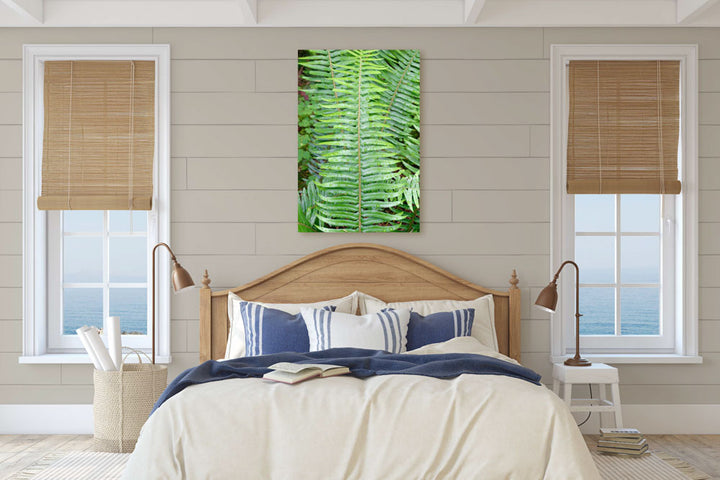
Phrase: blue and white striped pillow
[439,327]
[268,330]
[377,331]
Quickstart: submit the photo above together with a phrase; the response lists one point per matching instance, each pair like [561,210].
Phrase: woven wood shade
[99,136]
[624,127]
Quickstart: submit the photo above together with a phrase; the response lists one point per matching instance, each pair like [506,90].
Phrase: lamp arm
[557,274]
[172,254]
[577,360]
[577,283]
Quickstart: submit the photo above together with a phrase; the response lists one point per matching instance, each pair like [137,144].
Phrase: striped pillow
[377,331]
[439,327]
[483,325]
[268,330]
[236,336]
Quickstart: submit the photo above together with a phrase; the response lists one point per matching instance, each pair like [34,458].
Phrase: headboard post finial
[514,280]
[205,280]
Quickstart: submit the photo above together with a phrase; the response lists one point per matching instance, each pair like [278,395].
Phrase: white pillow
[377,331]
[483,325]
[460,345]
[236,336]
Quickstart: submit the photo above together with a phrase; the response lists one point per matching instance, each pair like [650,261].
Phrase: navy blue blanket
[362,363]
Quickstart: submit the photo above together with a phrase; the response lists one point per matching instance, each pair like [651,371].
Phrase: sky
[639,262]
[83,255]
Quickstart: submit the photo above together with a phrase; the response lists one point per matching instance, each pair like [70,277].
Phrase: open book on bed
[292,373]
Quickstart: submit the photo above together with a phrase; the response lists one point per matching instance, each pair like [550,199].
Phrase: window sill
[626,358]
[77,359]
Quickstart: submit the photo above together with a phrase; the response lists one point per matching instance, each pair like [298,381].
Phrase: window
[637,252]
[82,266]
[99,262]
[626,287]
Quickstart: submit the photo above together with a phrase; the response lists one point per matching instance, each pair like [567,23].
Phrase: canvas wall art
[358,141]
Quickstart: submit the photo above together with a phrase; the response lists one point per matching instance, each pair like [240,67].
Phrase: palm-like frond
[362,167]
[308,197]
[403,118]
[403,99]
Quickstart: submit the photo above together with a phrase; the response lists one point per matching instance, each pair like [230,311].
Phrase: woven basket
[123,401]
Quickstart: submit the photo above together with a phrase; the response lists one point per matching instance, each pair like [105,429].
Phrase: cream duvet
[382,427]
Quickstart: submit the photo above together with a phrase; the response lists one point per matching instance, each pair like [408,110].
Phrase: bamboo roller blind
[624,127]
[99,135]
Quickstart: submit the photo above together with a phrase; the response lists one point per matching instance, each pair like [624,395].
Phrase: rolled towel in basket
[88,348]
[114,341]
[98,348]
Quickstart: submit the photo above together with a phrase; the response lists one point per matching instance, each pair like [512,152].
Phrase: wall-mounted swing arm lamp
[181,280]
[547,300]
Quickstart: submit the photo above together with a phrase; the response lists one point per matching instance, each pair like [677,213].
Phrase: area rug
[75,466]
[110,466]
[651,466]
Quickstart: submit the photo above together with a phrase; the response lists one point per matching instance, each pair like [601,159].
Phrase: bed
[380,427]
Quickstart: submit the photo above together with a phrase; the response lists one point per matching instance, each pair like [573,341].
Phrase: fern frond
[306,208]
[403,100]
[362,165]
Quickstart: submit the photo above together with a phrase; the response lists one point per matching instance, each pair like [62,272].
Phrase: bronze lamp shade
[181,280]
[547,301]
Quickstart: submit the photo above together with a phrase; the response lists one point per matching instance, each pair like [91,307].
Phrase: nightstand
[599,374]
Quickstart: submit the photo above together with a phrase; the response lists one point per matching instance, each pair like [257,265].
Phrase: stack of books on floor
[622,441]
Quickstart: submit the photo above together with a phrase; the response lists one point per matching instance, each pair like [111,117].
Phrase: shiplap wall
[485,176]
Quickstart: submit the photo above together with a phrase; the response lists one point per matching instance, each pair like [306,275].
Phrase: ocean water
[639,307]
[83,306]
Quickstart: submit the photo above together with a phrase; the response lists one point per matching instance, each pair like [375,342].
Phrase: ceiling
[367,13]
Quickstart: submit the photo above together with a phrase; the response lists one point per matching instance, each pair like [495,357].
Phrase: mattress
[382,427]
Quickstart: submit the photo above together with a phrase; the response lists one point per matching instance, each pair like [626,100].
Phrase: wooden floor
[701,451]
[19,451]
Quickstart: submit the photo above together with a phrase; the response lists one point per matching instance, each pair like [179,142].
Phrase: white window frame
[57,342]
[35,222]
[663,343]
[684,347]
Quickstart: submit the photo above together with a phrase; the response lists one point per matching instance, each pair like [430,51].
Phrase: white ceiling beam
[32,9]
[362,13]
[357,13]
[472,11]
[136,13]
[249,9]
[688,10]
[577,13]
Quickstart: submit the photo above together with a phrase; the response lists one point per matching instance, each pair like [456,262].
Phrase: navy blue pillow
[439,327]
[268,330]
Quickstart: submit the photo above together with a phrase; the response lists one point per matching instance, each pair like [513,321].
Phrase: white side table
[598,373]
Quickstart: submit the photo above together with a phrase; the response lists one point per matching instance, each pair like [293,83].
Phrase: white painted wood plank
[249,10]
[472,10]
[27,8]
[688,10]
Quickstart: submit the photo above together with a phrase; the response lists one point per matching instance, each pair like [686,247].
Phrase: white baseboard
[46,419]
[662,419]
[650,419]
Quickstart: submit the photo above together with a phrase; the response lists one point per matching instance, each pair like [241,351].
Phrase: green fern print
[358,141]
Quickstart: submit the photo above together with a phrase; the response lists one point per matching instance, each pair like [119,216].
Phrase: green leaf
[362,122]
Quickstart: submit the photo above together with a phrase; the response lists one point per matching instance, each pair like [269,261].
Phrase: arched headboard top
[383,272]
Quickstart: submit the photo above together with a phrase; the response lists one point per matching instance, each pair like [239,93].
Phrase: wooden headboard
[383,272]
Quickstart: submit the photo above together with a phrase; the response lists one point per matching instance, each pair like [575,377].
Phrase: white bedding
[384,427]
